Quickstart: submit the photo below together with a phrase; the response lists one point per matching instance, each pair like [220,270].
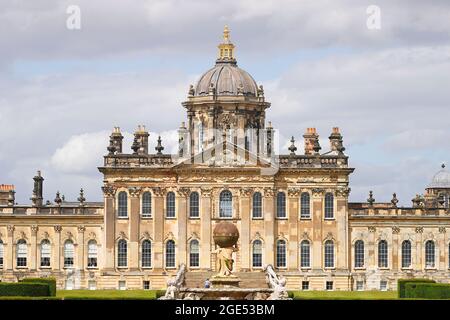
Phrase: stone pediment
[226,155]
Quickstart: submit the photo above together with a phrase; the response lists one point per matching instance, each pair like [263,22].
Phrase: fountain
[225,285]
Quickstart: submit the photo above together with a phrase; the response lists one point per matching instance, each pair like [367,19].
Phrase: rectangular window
[92,285]
[146,285]
[383,285]
[329,285]
[305,285]
[122,285]
[359,285]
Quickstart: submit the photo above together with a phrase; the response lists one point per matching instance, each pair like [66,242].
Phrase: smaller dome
[441,179]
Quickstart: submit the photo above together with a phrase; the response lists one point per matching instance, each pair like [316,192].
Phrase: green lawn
[107,294]
[345,295]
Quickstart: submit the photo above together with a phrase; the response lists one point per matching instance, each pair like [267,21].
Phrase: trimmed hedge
[51,282]
[160,293]
[402,282]
[428,290]
[24,289]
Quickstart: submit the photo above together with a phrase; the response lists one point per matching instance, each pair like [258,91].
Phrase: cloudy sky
[131,62]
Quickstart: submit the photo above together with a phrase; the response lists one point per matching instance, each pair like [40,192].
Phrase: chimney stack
[115,141]
[141,137]
[182,140]
[37,196]
[311,141]
[336,142]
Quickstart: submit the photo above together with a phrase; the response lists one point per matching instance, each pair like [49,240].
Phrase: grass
[345,295]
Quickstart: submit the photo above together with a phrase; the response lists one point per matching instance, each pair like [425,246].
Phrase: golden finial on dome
[226,48]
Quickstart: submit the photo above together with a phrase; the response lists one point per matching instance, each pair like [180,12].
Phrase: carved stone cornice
[109,191]
[134,191]
[293,192]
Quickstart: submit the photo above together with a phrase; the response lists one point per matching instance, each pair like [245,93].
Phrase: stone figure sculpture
[225,260]
[174,284]
[277,283]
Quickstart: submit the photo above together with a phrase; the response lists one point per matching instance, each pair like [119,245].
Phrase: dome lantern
[226,48]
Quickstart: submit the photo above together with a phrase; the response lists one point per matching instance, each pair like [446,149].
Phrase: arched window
[281,254]
[305,254]
[194,254]
[329,206]
[122,253]
[257,205]
[281,205]
[359,254]
[226,204]
[22,253]
[329,254]
[1,253]
[383,254]
[194,205]
[305,211]
[170,205]
[429,254]
[406,254]
[69,253]
[170,254]
[92,254]
[122,204]
[257,254]
[146,204]
[45,253]
[146,254]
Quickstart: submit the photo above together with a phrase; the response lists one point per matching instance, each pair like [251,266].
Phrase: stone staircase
[196,279]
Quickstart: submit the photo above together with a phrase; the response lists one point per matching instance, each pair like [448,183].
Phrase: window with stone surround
[329,206]
[170,254]
[226,204]
[383,254]
[329,285]
[45,253]
[281,205]
[92,254]
[22,253]
[170,205]
[305,285]
[406,254]
[194,205]
[194,254]
[1,253]
[122,211]
[429,254]
[146,254]
[305,254]
[359,285]
[359,254]
[122,253]
[257,254]
[257,205]
[329,254]
[69,253]
[305,210]
[281,254]
[146,204]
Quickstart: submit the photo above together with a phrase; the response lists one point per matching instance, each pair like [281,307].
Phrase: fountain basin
[224,293]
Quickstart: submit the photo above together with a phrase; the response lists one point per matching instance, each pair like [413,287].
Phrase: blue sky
[62,91]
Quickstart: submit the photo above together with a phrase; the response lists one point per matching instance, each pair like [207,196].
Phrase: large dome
[441,179]
[226,78]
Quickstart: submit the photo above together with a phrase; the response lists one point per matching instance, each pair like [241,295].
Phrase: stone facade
[291,210]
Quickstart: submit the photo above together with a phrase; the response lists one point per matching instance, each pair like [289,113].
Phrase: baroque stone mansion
[291,210]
